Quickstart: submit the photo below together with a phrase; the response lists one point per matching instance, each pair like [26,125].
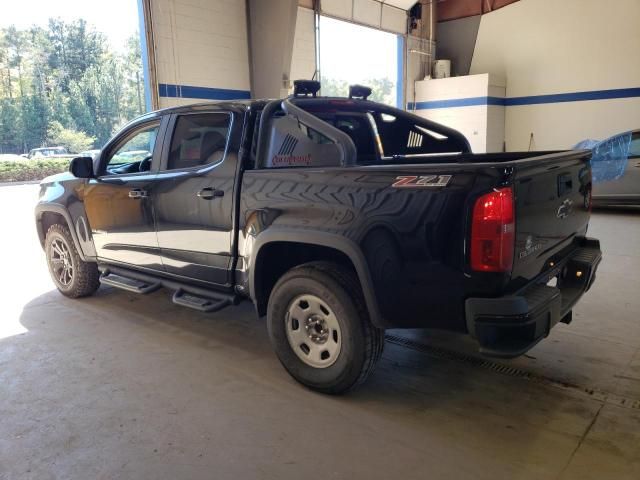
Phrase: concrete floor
[126,386]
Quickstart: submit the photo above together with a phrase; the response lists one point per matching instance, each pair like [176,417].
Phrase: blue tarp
[609,157]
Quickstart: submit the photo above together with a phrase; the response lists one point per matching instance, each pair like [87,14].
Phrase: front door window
[135,152]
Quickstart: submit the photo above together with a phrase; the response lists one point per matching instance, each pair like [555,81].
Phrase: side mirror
[82,167]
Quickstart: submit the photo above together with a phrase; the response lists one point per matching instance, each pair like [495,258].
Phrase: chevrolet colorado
[337,217]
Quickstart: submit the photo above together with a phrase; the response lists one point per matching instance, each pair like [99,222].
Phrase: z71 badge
[421,181]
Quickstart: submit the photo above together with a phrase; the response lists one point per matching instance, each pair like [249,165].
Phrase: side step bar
[203,304]
[198,298]
[127,283]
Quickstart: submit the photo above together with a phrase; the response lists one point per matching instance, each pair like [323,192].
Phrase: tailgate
[552,196]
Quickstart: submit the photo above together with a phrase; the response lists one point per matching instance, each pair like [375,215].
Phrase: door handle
[210,193]
[137,193]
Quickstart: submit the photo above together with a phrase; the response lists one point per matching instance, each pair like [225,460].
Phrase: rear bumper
[509,326]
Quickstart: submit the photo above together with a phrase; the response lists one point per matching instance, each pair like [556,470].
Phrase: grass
[27,170]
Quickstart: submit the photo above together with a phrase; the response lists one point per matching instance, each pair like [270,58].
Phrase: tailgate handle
[565,184]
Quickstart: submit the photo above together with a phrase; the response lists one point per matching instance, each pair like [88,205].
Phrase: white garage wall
[457,102]
[201,50]
[303,61]
[546,47]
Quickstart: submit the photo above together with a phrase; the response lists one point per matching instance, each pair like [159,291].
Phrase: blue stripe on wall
[207,93]
[530,100]
[457,102]
[574,97]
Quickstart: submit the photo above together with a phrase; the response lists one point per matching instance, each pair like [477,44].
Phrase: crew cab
[337,217]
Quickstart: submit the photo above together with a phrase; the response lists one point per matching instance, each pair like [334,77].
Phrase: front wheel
[320,328]
[73,276]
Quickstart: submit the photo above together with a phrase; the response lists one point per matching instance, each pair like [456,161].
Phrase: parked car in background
[615,164]
[46,152]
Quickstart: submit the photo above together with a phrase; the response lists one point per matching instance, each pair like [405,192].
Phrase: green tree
[382,89]
[35,116]
[132,69]
[79,110]
[10,126]
[101,96]
[333,87]
[15,45]
[74,49]
[73,140]
[4,66]
[65,73]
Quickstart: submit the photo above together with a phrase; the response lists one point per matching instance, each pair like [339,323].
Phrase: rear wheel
[73,277]
[320,328]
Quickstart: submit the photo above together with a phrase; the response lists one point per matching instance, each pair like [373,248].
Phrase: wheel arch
[316,246]
[48,214]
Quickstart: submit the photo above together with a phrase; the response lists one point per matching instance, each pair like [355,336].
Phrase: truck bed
[407,204]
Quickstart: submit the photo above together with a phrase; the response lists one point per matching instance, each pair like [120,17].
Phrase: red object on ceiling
[453,9]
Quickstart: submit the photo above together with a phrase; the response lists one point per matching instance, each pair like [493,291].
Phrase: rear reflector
[493,232]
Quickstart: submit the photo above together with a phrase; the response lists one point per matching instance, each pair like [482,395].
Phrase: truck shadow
[405,380]
[622,210]
[135,344]
[410,396]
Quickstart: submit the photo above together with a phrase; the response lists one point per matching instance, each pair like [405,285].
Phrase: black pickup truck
[337,217]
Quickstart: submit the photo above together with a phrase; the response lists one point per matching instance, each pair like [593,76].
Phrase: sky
[355,53]
[117,19]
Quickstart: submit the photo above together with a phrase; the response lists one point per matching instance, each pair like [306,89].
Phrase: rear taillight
[493,232]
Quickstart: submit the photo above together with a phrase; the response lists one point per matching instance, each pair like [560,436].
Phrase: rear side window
[199,139]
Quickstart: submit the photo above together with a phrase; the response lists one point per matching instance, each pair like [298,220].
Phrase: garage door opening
[71,73]
[351,53]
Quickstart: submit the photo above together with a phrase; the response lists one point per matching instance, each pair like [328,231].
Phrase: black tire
[84,276]
[361,342]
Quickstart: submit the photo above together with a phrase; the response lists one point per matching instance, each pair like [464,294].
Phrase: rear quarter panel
[413,239]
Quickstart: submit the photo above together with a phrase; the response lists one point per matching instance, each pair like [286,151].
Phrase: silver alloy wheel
[61,262]
[313,331]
